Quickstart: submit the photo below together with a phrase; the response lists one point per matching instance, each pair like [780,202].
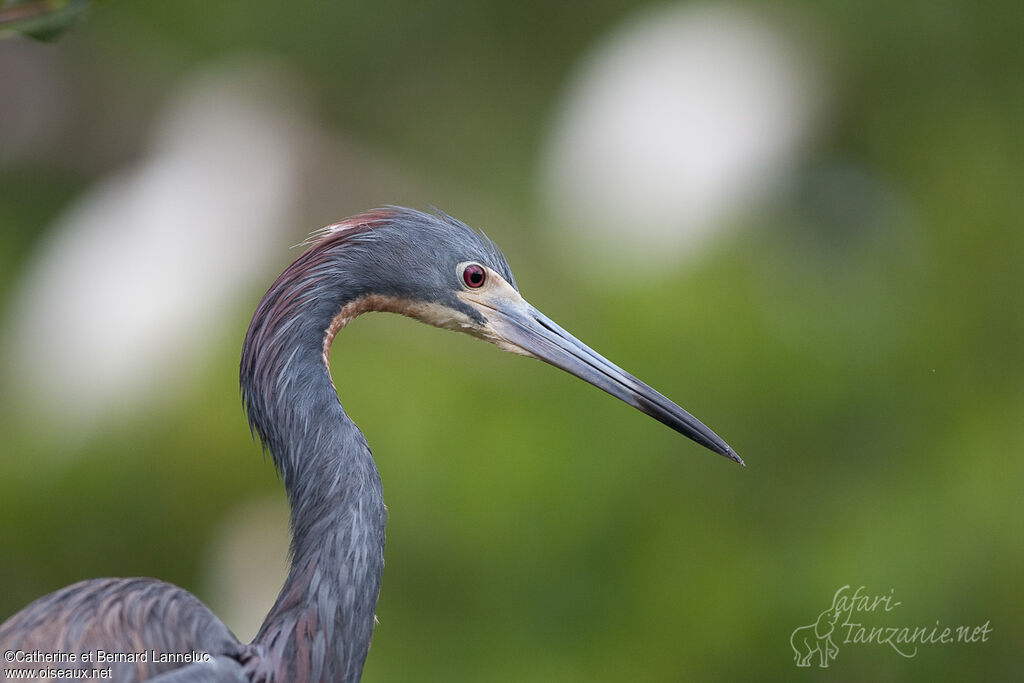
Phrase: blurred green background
[857,335]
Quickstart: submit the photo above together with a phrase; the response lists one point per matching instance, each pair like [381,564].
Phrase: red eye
[474,276]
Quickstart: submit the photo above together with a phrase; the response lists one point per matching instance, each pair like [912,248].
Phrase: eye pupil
[474,276]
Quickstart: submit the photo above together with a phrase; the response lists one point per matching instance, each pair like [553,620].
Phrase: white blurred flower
[141,273]
[682,118]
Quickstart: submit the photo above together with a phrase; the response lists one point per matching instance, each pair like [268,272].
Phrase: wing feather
[164,626]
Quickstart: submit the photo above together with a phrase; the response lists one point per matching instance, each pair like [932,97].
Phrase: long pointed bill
[515,325]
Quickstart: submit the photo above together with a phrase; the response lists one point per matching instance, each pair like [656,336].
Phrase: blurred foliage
[39,19]
[869,366]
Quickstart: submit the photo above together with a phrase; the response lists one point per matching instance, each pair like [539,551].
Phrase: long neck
[321,625]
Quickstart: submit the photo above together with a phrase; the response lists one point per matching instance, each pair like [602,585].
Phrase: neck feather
[321,625]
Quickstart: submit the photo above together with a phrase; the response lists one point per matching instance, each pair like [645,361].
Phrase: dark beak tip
[734,456]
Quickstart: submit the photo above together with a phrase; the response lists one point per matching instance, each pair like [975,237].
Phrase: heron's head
[436,269]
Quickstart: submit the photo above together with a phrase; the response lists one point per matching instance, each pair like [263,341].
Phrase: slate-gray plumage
[427,266]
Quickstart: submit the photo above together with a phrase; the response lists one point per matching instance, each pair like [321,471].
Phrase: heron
[427,266]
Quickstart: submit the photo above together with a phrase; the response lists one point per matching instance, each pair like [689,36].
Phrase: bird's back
[160,626]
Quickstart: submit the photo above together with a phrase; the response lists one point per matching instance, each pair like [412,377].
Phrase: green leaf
[39,19]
